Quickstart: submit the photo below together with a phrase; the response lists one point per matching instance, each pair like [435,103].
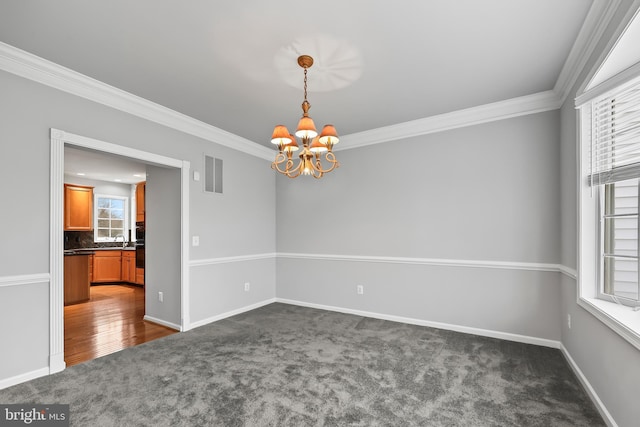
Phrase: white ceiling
[220,61]
[232,64]
[101,166]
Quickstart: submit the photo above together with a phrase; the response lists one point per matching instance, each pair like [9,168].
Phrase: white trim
[230,259]
[604,413]
[121,150]
[571,273]
[58,140]
[596,22]
[19,379]
[505,265]
[613,40]
[32,67]
[438,325]
[524,105]
[617,317]
[232,313]
[162,322]
[24,279]
[184,251]
[615,82]
[56,256]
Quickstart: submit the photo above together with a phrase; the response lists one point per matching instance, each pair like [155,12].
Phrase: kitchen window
[110,218]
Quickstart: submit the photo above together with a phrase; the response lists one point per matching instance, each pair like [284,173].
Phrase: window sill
[622,319]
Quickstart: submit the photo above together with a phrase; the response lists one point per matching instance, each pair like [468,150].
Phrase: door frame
[59,139]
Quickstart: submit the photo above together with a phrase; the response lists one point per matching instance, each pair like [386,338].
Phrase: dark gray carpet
[284,365]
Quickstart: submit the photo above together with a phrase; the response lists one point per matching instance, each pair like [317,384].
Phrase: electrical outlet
[247,286]
[360,289]
[160,297]
[569,321]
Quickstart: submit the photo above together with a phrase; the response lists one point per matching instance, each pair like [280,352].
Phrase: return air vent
[212,175]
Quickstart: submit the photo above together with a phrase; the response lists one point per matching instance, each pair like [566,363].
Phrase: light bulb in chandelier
[329,136]
[281,135]
[317,146]
[292,146]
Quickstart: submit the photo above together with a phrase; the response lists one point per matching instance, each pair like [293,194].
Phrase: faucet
[124,240]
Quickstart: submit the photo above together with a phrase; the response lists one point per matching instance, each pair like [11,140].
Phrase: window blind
[615,136]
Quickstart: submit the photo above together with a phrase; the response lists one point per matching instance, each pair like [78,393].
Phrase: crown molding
[529,104]
[32,67]
[596,22]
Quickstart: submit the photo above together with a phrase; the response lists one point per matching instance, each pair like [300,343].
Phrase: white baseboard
[589,389]
[438,325]
[162,322]
[231,313]
[57,363]
[8,382]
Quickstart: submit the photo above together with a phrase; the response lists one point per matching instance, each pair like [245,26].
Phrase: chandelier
[317,157]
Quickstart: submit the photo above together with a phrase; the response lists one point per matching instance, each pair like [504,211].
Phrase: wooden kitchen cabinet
[78,207]
[107,266]
[76,278]
[139,276]
[140,193]
[128,266]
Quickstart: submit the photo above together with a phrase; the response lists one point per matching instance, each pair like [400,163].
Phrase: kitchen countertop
[74,253]
[88,251]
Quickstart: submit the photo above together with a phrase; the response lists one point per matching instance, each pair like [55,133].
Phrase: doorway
[173,314]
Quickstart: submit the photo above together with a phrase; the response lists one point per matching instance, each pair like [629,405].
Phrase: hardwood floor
[110,321]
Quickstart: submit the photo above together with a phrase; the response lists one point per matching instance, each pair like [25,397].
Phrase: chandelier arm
[280,159]
[289,169]
[329,157]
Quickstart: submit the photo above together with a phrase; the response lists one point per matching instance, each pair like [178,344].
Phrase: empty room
[325,213]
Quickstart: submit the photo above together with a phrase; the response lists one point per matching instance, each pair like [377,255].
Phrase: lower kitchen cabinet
[76,278]
[107,266]
[128,266]
[139,276]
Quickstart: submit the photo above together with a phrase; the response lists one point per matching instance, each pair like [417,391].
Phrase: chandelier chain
[305,84]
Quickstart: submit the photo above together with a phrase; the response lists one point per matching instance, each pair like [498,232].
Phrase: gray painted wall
[238,223]
[162,244]
[485,193]
[609,363]
[509,301]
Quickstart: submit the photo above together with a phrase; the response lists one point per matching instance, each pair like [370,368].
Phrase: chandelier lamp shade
[316,157]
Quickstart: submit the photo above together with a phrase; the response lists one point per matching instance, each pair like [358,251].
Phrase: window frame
[623,319]
[125,221]
[601,231]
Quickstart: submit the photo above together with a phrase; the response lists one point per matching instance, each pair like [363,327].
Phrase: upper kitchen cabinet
[140,190]
[78,207]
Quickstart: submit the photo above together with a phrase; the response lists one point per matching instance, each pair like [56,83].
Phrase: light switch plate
[195,240]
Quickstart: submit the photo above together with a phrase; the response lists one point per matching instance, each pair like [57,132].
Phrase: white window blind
[615,137]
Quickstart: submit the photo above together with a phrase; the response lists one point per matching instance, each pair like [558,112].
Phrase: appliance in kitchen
[139,244]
